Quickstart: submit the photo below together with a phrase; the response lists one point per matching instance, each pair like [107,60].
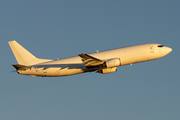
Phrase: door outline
[151,48]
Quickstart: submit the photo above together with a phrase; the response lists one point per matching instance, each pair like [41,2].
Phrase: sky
[54,29]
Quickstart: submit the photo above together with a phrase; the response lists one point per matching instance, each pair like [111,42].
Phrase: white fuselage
[74,65]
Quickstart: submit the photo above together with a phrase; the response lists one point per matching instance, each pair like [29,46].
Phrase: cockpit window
[160,45]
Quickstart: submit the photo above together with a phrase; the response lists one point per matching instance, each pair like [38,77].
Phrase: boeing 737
[100,62]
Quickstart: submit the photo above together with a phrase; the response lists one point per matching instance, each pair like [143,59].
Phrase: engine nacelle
[107,70]
[112,63]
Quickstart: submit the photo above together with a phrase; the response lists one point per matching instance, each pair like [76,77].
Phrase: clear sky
[64,28]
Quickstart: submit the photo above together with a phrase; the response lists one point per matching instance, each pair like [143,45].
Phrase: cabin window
[160,45]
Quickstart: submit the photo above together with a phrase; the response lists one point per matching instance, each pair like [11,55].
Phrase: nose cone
[168,50]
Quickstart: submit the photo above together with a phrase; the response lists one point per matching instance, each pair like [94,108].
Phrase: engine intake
[107,70]
[112,63]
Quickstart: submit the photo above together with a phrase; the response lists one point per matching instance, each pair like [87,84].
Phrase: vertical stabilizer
[23,56]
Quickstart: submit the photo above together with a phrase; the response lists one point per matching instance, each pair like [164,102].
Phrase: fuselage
[75,65]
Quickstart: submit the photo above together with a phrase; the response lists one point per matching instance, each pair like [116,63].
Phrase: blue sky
[58,29]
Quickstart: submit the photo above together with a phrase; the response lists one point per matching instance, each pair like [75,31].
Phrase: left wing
[89,60]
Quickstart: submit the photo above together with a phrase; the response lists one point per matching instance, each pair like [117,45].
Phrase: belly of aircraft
[50,72]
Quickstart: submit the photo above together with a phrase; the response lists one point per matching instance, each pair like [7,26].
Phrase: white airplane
[102,62]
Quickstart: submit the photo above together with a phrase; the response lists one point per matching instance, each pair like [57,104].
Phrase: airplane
[100,62]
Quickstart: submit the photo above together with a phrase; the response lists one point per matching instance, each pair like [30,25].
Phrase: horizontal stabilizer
[20,67]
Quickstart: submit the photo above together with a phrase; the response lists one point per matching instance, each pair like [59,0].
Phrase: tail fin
[23,56]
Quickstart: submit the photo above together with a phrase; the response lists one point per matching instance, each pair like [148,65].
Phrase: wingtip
[82,54]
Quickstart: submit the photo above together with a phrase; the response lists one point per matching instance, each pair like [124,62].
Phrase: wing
[89,60]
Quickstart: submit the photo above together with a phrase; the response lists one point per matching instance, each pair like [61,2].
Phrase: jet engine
[107,70]
[112,63]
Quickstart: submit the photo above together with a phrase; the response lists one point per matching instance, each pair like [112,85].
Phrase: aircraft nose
[168,49]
